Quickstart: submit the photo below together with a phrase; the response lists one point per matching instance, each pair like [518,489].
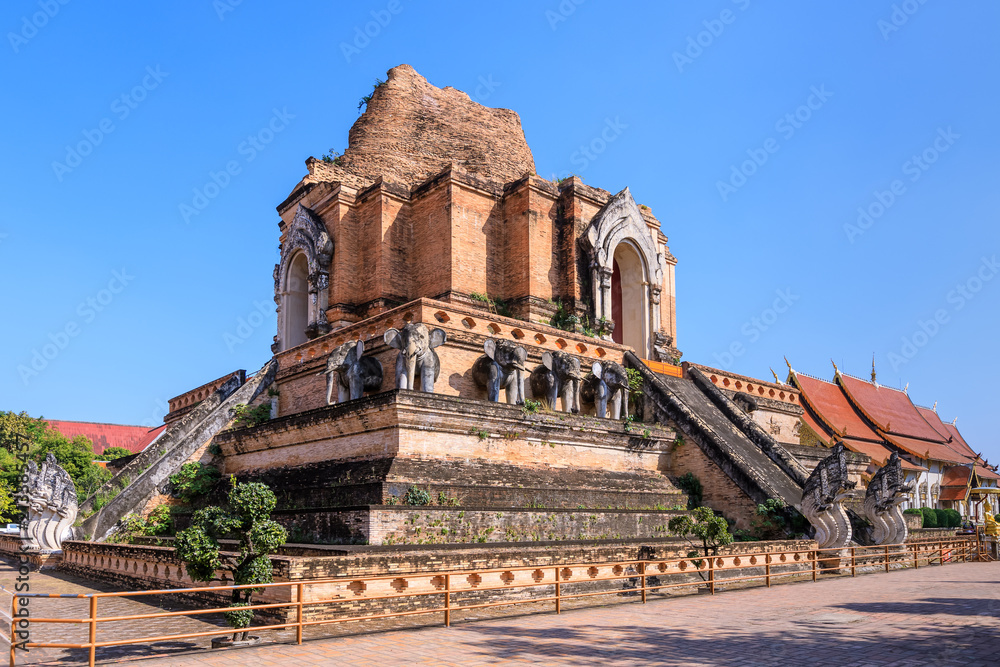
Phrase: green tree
[112,453]
[194,479]
[702,524]
[8,509]
[248,517]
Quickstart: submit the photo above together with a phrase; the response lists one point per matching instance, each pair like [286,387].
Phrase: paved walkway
[932,616]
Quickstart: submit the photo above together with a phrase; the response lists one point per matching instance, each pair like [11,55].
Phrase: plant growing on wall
[415,496]
[691,485]
[194,480]
[365,99]
[248,518]
[246,416]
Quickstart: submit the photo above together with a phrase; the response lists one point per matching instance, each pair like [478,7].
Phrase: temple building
[456,213]
[876,421]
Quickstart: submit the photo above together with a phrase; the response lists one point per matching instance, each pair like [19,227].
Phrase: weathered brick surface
[411,129]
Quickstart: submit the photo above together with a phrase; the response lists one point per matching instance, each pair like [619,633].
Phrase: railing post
[93,629]
[815,562]
[13,625]
[642,574]
[711,575]
[887,558]
[447,600]
[767,569]
[915,559]
[854,563]
[558,592]
[298,628]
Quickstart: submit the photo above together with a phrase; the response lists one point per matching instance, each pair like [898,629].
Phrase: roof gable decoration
[306,234]
[620,220]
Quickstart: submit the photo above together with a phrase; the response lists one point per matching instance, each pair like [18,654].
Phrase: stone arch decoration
[620,221]
[307,235]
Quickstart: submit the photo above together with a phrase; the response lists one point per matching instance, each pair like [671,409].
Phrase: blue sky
[758,134]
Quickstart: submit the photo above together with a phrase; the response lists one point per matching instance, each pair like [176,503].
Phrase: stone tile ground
[931,616]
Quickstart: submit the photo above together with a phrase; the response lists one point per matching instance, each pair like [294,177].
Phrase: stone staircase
[748,455]
[139,481]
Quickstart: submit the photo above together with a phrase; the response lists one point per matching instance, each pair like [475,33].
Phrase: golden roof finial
[873,368]
[836,371]
[905,389]
[774,374]
[934,407]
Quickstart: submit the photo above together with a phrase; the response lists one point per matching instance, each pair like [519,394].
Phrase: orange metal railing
[712,570]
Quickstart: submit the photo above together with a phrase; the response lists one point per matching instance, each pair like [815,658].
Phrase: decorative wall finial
[775,375]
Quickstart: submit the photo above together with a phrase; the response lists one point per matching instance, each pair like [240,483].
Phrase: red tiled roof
[925,449]
[954,493]
[986,473]
[889,409]
[931,417]
[879,454]
[132,438]
[829,403]
[958,443]
[956,476]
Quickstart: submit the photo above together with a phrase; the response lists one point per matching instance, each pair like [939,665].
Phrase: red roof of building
[890,410]
[926,449]
[953,493]
[931,417]
[958,443]
[956,476]
[132,438]
[828,402]
[879,454]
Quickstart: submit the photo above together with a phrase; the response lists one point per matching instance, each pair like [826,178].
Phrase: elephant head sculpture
[353,373]
[416,357]
[501,366]
[595,390]
[559,375]
[616,379]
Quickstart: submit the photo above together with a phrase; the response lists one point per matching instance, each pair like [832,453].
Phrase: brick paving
[931,616]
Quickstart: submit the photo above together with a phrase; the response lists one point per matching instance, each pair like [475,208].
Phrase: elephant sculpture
[608,383]
[352,373]
[559,375]
[416,357]
[501,366]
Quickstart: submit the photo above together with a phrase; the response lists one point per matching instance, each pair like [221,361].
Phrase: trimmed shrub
[912,510]
[930,517]
[954,518]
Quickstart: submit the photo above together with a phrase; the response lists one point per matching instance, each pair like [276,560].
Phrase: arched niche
[629,304]
[618,235]
[295,302]
[307,249]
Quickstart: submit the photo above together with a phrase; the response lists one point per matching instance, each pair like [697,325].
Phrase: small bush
[953,519]
[912,510]
[415,496]
[246,416]
[193,480]
[691,485]
[930,517]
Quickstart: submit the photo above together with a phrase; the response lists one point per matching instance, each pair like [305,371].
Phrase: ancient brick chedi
[436,197]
